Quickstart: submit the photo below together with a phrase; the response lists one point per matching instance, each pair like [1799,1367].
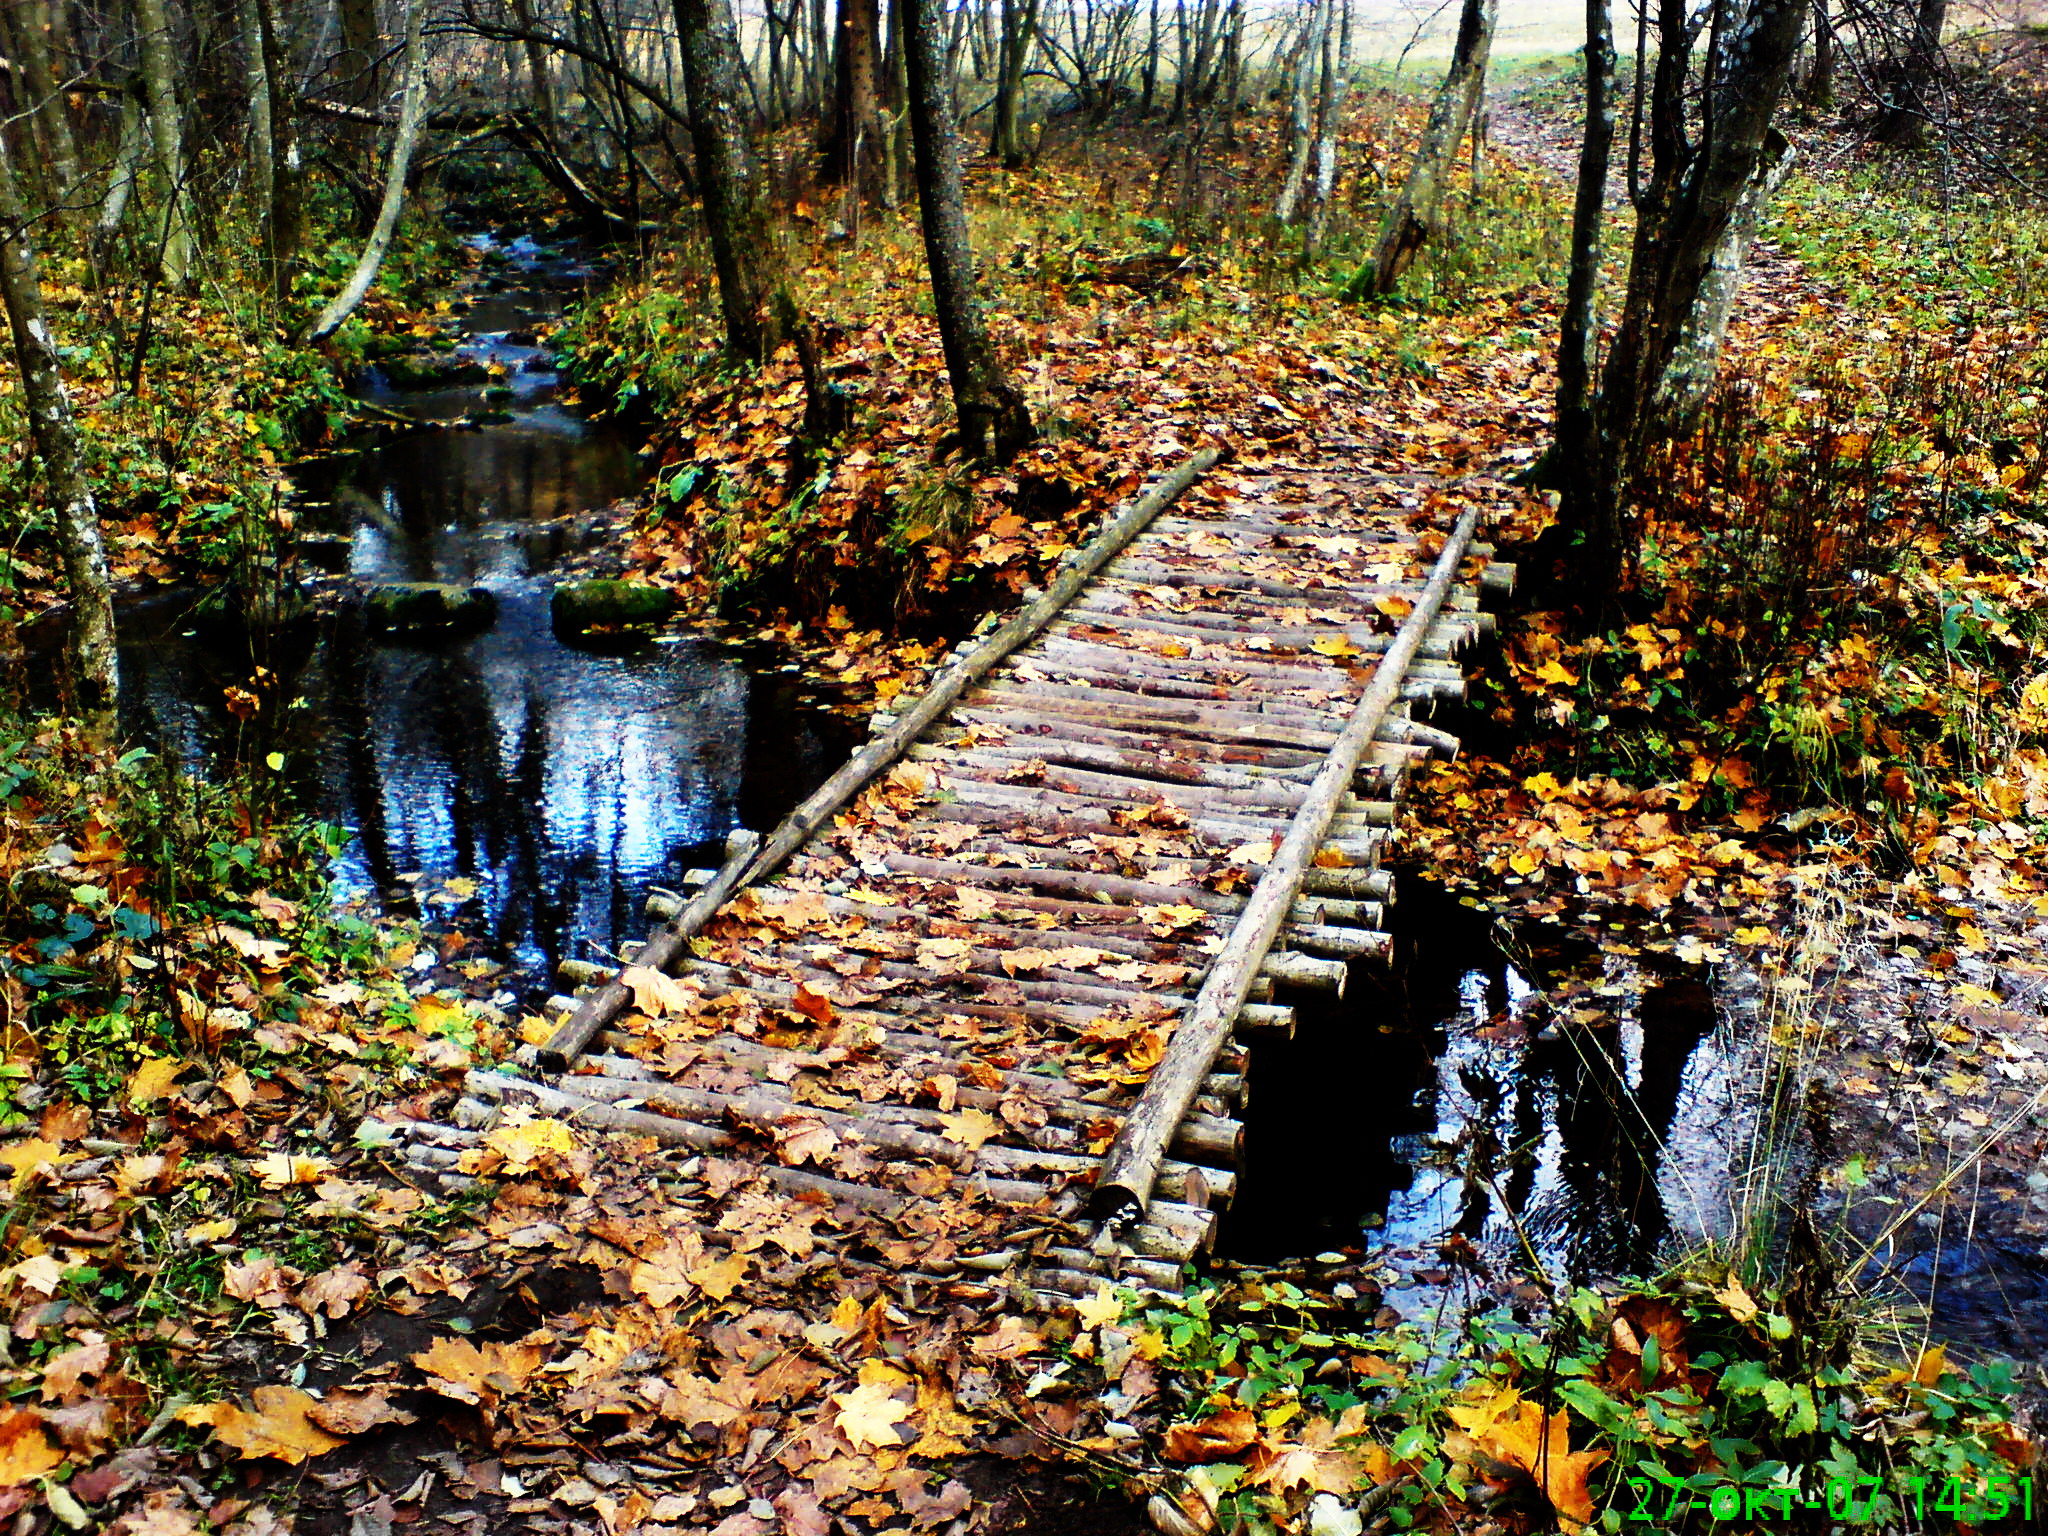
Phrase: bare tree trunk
[32,26]
[1020,27]
[539,86]
[131,152]
[994,421]
[1692,226]
[1910,111]
[91,655]
[1686,378]
[1151,72]
[735,212]
[1329,109]
[853,135]
[412,115]
[1820,83]
[283,229]
[1308,60]
[1415,217]
[896,108]
[160,95]
[1575,452]
[262,141]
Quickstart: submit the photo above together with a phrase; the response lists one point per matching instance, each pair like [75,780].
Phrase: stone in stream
[578,607]
[426,370]
[428,608]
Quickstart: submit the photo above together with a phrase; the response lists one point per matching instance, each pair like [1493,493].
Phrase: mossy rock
[429,608]
[579,607]
[498,394]
[424,370]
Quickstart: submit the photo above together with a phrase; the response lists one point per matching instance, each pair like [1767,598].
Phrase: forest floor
[214,1271]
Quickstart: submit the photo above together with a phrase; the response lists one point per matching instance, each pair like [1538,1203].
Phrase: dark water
[1578,1106]
[1440,1100]
[553,785]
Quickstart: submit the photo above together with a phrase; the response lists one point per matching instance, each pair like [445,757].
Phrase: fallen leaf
[279,1425]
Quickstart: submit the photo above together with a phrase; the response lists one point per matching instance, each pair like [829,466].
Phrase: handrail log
[1123,1184]
[749,859]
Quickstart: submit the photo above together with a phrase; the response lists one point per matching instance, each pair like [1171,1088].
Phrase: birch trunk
[131,152]
[90,652]
[994,421]
[412,115]
[1300,115]
[262,141]
[283,228]
[1416,217]
[160,96]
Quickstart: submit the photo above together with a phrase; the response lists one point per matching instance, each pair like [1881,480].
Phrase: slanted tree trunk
[167,136]
[283,228]
[1685,380]
[131,153]
[1416,216]
[90,653]
[412,114]
[1573,456]
[1910,111]
[735,211]
[32,26]
[994,421]
[852,138]
[1020,26]
[1683,237]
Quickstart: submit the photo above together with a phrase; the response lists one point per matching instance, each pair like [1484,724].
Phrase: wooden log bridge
[1016,947]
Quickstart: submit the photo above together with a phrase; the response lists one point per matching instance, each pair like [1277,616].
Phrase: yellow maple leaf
[25,1157]
[472,1373]
[1104,1307]
[527,1141]
[278,1425]
[281,1170]
[654,993]
[869,1414]
[970,1127]
[719,1278]
[1338,646]
[663,1277]
[153,1079]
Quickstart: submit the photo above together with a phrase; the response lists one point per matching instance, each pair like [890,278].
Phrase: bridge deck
[960,985]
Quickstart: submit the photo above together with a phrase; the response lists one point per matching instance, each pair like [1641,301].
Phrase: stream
[531,790]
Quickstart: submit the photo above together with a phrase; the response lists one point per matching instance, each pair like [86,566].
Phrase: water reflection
[562,784]
[1443,1103]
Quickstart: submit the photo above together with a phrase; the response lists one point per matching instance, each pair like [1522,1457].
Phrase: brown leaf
[1216,1438]
[352,1410]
